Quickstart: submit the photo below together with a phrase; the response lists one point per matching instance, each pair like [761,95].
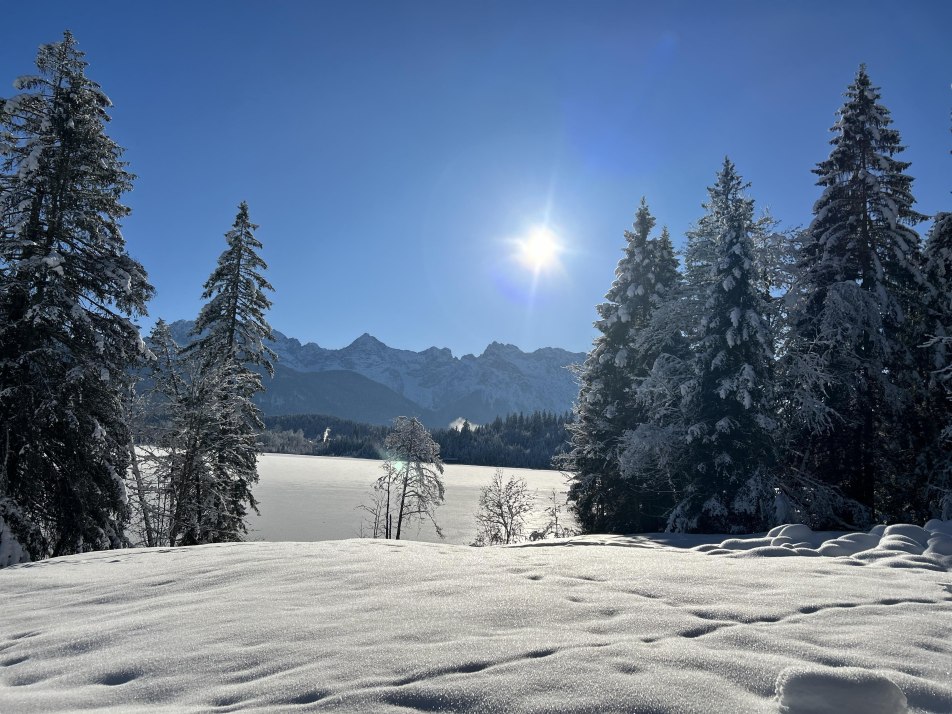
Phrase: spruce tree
[934,467]
[187,496]
[230,331]
[231,325]
[605,409]
[938,262]
[68,291]
[851,357]
[729,439]
[706,441]
[934,476]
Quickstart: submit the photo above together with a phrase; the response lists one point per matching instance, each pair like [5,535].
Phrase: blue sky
[393,152]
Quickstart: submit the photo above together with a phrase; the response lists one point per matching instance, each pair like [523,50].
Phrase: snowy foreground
[591,624]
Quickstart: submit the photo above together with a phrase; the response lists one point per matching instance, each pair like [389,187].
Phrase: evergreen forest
[776,376]
[529,441]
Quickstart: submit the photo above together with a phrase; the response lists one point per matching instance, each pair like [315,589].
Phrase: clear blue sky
[392,151]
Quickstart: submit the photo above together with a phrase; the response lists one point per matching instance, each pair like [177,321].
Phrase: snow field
[308,498]
[593,624]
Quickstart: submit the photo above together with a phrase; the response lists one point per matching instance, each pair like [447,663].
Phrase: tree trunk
[403,499]
[140,492]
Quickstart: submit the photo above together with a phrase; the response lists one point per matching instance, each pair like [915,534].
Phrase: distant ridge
[370,382]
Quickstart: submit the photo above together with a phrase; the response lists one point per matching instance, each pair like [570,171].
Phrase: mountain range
[368,381]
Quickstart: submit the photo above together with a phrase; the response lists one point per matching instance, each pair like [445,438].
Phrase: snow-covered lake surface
[592,624]
[309,498]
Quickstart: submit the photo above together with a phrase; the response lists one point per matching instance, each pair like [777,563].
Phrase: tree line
[776,376]
[515,441]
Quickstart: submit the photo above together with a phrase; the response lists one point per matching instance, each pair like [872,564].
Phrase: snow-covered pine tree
[938,269]
[68,290]
[230,331]
[850,360]
[934,467]
[729,444]
[708,436]
[699,255]
[665,263]
[661,349]
[934,476]
[174,487]
[605,409]
[776,253]
[232,325]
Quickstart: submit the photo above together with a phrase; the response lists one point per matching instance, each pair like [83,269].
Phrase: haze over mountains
[370,382]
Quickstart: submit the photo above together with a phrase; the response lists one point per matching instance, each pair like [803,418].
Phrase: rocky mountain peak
[385,382]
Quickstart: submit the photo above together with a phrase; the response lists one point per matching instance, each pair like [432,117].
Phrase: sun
[539,249]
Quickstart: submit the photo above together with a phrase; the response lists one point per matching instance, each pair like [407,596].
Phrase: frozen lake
[310,498]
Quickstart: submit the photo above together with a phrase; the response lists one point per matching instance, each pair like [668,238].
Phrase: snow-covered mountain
[371,382]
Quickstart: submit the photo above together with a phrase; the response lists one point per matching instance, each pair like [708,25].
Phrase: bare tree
[553,511]
[381,500]
[503,507]
[412,484]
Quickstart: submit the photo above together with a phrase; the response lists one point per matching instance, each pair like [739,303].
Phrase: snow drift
[901,545]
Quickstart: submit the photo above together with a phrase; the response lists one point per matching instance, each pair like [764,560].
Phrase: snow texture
[591,624]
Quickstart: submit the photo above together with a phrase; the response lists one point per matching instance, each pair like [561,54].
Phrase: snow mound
[898,546]
[837,691]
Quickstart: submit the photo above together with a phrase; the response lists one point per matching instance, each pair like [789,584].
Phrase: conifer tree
[851,363]
[934,467]
[232,325]
[187,500]
[605,406]
[938,269]
[729,441]
[708,436]
[68,291]
[213,443]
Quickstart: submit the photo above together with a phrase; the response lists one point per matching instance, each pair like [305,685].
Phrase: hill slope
[347,395]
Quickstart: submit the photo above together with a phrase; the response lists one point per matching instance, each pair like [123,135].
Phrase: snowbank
[574,626]
[897,546]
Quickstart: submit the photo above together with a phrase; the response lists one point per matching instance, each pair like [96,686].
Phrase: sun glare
[540,249]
